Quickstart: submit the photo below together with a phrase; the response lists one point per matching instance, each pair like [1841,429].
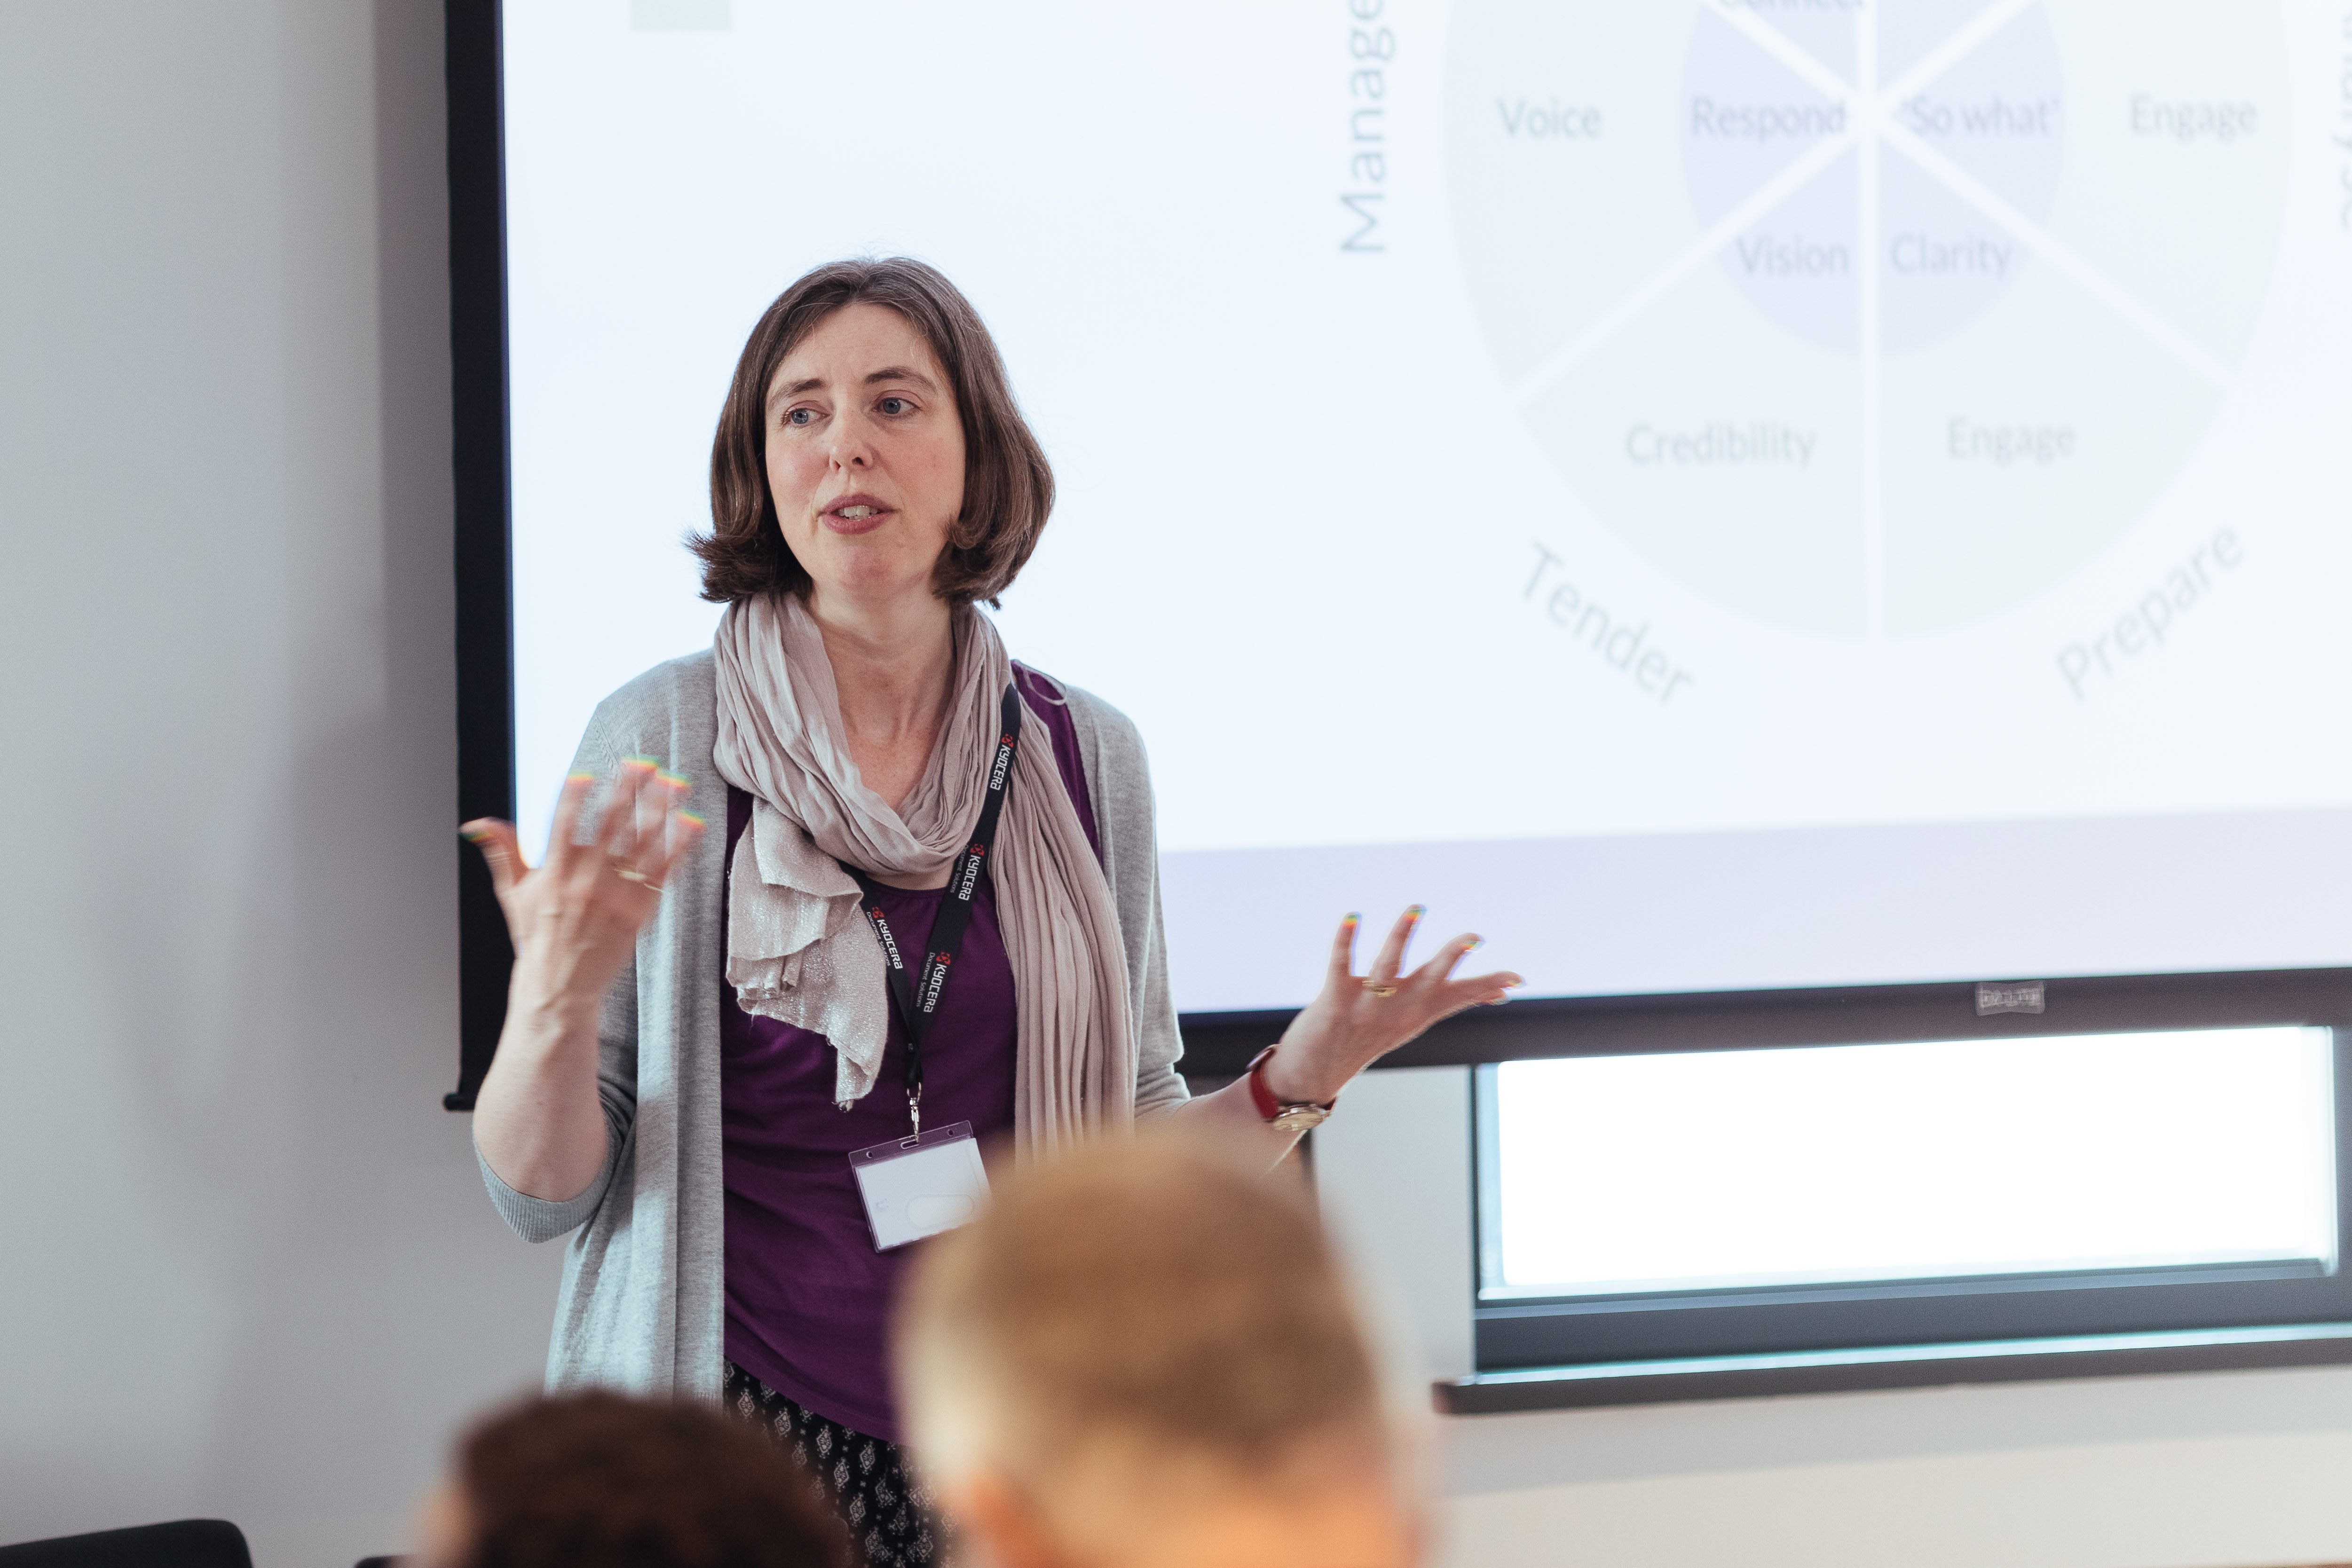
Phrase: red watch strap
[1262,1097]
[1268,1107]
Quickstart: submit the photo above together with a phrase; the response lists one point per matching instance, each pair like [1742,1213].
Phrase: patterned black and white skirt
[865,1480]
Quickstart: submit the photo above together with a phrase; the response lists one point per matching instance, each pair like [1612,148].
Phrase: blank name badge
[919,1185]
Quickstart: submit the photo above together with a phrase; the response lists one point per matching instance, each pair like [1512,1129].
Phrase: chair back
[182,1543]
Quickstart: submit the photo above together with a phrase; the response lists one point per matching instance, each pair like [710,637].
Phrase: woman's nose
[852,445]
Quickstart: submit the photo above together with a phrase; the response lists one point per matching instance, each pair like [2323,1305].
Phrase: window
[1726,1202]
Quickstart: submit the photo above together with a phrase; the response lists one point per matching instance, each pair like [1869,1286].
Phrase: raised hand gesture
[1357,1019]
[574,920]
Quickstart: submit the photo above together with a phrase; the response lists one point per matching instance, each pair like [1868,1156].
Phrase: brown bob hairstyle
[1007,487]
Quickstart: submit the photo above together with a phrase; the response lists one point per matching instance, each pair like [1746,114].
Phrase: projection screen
[1711,496]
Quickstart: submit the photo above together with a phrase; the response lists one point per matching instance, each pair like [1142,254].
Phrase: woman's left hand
[1358,1020]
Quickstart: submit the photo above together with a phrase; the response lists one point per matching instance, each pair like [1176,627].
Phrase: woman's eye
[800,416]
[893,405]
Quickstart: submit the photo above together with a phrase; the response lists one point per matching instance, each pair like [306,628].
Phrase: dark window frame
[1567,1330]
[1531,1360]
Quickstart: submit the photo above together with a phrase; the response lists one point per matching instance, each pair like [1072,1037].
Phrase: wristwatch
[1284,1115]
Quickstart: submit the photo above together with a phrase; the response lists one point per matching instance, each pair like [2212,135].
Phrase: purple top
[808,1299]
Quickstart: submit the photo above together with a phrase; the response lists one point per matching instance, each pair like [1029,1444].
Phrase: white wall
[2153,1472]
[246,1268]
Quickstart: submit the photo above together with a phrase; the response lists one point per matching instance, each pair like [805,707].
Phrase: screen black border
[481,544]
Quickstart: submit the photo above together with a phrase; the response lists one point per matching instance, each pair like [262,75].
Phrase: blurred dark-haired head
[603,1480]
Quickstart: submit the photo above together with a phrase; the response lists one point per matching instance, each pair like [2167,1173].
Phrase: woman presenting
[696,1041]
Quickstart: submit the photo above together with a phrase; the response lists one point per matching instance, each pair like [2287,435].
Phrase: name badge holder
[919,1185]
[929,1182]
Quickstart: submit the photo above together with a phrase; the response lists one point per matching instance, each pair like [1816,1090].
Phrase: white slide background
[1833,694]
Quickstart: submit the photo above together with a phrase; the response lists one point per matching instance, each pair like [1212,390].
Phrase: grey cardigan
[641,1303]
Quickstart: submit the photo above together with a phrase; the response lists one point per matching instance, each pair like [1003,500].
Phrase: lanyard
[917,1002]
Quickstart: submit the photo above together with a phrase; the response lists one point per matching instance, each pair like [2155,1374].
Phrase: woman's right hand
[574,919]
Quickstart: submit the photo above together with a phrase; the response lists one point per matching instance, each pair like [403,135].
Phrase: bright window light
[1608,1175]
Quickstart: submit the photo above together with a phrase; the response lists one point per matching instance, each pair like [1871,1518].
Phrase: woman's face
[865,454]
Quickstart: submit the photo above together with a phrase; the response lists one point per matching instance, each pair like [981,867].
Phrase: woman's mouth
[854,514]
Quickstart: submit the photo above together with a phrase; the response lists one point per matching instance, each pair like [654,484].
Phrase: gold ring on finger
[1380,990]
[631,874]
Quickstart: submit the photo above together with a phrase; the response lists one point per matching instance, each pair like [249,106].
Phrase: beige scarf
[797,948]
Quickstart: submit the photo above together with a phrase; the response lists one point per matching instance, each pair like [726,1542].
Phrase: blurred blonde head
[1145,1352]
